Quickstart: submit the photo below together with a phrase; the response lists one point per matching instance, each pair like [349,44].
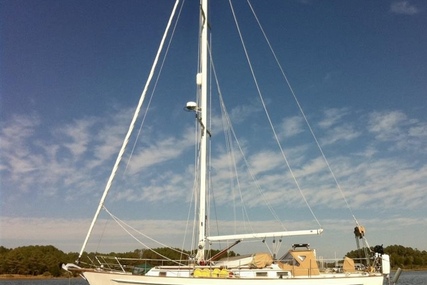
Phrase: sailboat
[299,265]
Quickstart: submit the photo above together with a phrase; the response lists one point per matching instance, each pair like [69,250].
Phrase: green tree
[32,260]
[404,257]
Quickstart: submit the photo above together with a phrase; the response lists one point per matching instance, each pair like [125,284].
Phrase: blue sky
[71,76]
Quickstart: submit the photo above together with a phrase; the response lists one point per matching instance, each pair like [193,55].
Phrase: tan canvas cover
[305,263]
[348,265]
[261,260]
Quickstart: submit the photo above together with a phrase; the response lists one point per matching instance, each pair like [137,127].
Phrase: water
[412,278]
[406,278]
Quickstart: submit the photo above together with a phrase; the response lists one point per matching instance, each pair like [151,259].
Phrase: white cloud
[47,171]
[314,166]
[345,132]
[403,7]
[386,125]
[264,161]
[337,125]
[78,136]
[161,150]
[161,187]
[396,127]
[241,112]
[49,161]
[385,182]
[332,116]
[16,155]
[388,181]
[292,126]
[368,152]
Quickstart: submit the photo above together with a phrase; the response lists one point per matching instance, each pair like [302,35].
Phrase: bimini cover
[261,260]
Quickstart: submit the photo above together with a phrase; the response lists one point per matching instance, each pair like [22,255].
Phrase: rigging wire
[253,177]
[229,148]
[101,236]
[188,219]
[233,165]
[228,144]
[268,115]
[302,113]
[123,225]
[155,84]
[210,186]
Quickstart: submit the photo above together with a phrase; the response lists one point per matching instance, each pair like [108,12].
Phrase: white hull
[104,278]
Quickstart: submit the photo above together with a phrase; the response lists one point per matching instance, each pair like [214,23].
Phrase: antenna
[191,107]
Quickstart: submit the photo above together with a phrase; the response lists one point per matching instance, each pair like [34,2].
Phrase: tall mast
[202,82]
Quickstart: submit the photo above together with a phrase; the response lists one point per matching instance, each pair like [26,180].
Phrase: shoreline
[31,277]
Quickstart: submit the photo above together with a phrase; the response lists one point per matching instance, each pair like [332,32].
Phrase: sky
[71,73]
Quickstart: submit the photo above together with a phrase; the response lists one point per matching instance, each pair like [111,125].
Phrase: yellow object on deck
[215,273]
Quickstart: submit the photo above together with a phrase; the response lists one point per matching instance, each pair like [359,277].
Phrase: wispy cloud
[46,161]
[68,162]
[337,125]
[71,162]
[162,150]
[332,116]
[396,127]
[292,126]
[264,161]
[344,132]
[78,136]
[18,157]
[404,7]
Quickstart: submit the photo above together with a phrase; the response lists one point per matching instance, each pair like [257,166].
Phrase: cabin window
[162,273]
[283,274]
[289,259]
[261,274]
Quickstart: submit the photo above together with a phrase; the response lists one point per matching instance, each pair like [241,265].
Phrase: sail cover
[257,260]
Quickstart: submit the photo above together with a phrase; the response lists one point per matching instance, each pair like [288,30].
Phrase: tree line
[46,260]
[400,256]
[33,260]
[38,260]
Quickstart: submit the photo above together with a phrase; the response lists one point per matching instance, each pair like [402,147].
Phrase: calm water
[406,278]
[412,278]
